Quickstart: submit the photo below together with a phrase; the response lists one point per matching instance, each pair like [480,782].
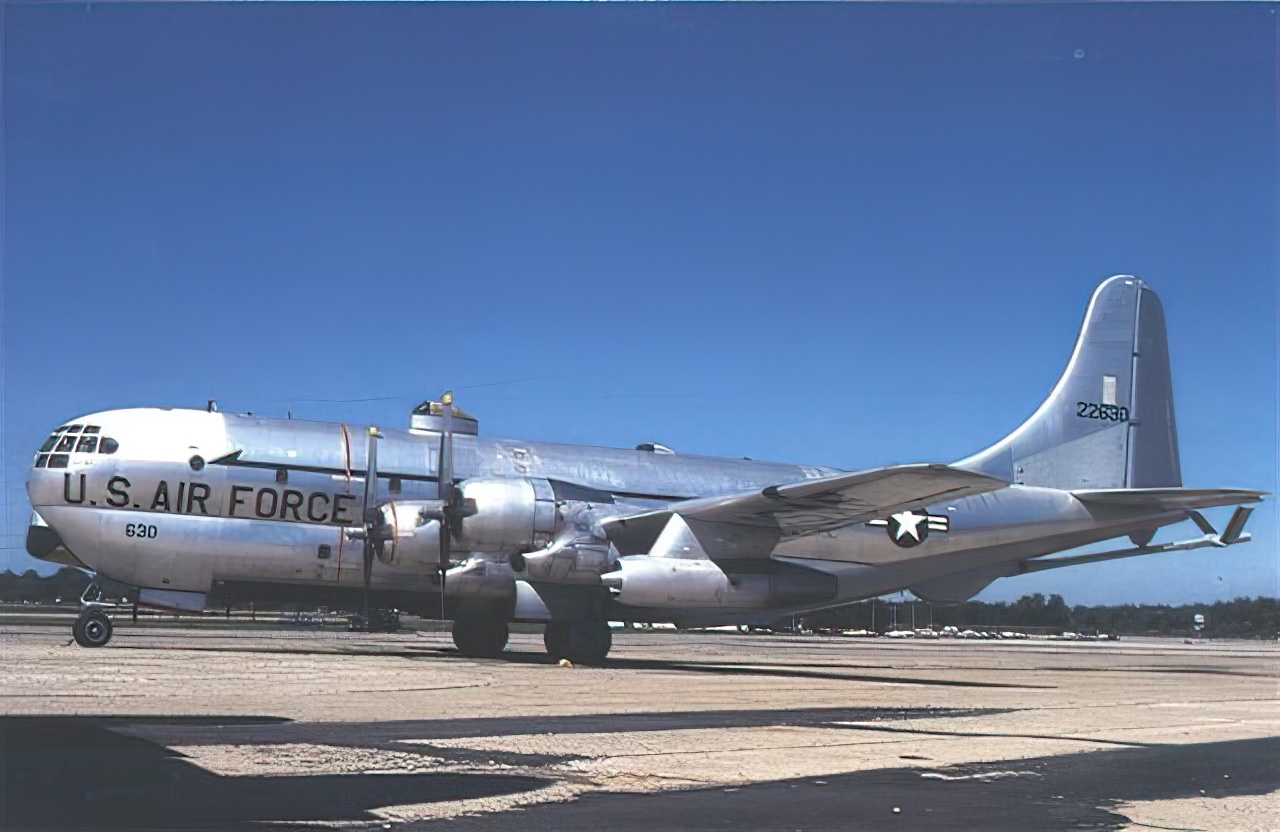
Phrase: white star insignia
[908,524]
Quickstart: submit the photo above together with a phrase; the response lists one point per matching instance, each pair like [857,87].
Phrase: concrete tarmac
[218,728]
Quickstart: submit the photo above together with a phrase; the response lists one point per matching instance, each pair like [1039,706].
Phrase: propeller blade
[445,489]
[370,507]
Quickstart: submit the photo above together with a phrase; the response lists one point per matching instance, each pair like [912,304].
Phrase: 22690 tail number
[1106,412]
[140,530]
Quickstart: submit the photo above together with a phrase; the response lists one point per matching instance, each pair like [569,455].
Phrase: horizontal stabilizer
[1169,499]
[961,586]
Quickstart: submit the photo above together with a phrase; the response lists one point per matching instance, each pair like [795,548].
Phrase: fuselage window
[108,445]
[91,428]
[58,461]
[74,429]
[42,460]
[49,443]
[87,445]
[66,443]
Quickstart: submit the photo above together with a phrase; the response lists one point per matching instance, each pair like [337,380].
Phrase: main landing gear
[581,642]
[92,627]
[480,636]
[484,636]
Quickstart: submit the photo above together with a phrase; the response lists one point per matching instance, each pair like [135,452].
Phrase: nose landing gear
[92,627]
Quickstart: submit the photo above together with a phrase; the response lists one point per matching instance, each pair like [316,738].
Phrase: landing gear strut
[480,636]
[92,628]
[581,642]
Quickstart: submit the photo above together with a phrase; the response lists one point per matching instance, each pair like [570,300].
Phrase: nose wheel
[92,629]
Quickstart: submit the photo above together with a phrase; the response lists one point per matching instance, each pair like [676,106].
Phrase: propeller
[448,512]
[373,539]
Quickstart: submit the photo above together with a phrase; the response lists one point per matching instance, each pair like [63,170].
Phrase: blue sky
[842,234]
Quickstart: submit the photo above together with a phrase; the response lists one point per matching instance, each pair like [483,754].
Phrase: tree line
[1239,618]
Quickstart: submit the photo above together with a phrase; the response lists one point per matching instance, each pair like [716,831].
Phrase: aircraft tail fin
[1109,422]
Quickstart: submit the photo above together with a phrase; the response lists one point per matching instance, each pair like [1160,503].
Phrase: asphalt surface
[1064,792]
[233,730]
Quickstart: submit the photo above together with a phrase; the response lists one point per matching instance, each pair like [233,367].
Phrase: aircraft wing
[752,522]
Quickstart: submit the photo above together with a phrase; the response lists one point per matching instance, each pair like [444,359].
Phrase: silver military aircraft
[439,520]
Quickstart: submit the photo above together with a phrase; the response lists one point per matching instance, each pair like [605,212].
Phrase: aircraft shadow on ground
[789,671]
[707,667]
[392,734]
[1074,791]
[60,772]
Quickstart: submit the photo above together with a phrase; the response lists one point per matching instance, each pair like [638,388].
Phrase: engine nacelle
[644,581]
[565,562]
[507,514]
[411,536]
[480,577]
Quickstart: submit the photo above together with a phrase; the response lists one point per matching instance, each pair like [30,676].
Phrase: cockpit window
[81,439]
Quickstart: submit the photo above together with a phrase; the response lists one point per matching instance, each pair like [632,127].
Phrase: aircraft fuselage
[191,497]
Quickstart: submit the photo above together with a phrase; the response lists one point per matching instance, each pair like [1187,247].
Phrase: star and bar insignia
[910,528]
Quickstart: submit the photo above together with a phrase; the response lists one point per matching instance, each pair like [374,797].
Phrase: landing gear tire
[555,638]
[92,629]
[480,637]
[581,642]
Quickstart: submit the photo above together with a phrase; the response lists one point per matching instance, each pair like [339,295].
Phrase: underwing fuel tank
[645,581]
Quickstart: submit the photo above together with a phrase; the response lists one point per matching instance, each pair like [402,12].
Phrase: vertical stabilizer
[1109,421]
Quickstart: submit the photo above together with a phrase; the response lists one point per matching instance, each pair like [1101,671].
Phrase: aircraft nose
[44,543]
